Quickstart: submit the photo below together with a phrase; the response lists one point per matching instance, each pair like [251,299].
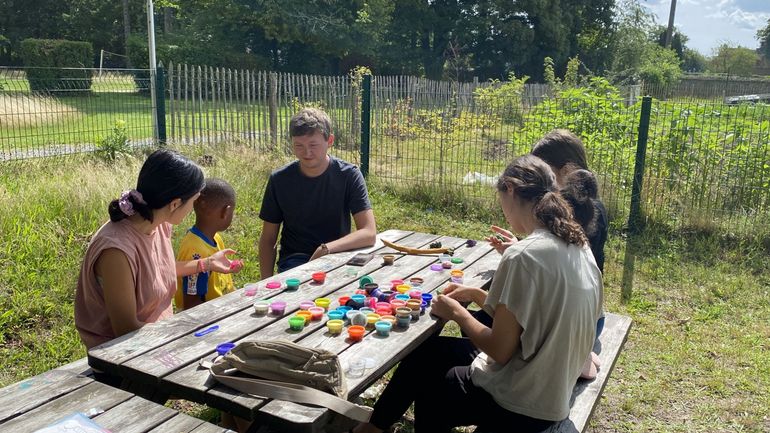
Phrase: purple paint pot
[223,348]
[436,267]
[278,307]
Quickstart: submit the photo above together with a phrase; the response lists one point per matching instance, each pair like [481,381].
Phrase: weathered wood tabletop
[165,355]
[45,399]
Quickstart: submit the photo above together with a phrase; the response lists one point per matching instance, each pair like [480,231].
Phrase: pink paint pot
[384,311]
[278,307]
[316,313]
[305,305]
[250,289]
[397,303]
[415,294]
[395,283]
[272,285]
[380,305]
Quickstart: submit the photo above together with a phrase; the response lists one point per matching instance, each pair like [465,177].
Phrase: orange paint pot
[356,332]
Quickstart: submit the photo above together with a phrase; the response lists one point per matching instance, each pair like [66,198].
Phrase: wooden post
[273,108]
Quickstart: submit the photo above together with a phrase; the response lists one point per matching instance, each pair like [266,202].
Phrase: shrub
[115,144]
[45,58]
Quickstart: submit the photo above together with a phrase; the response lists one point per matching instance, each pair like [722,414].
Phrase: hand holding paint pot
[236,266]
[501,239]
[218,262]
[445,307]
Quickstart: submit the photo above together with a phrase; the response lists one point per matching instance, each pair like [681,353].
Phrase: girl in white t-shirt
[518,374]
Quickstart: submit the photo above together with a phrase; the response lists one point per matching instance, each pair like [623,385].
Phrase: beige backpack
[288,371]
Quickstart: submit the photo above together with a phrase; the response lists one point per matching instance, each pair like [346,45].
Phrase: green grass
[697,358]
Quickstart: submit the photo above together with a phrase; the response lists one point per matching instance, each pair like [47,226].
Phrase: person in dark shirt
[310,201]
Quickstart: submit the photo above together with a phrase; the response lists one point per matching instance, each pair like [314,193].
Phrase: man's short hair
[309,121]
[216,194]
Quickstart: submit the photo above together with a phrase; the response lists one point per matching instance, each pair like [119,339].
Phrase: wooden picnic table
[45,399]
[165,355]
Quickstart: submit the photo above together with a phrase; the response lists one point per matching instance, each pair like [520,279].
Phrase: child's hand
[218,262]
[445,307]
[236,265]
[459,292]
[501,240]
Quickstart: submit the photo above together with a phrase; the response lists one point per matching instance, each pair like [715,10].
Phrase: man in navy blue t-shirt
[313,198]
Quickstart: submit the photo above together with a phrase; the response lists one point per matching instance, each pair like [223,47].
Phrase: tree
[693,61]
[734,60]
[763,35]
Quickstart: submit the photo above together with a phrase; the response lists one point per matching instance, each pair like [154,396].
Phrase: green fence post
[635,213]
[160,103]
[366,123]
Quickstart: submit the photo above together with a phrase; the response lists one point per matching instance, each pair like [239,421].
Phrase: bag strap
[296,393]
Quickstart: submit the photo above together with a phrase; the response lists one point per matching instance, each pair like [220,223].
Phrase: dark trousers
[436,378]
[292,261]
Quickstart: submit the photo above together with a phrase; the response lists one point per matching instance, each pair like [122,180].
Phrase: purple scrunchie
[125,204]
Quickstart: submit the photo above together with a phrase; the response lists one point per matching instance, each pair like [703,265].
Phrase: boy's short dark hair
[308,121]
[217,193]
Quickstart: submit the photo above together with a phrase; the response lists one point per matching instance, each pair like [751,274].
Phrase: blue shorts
[292,261]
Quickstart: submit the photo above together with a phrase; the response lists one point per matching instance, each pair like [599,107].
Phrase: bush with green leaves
[57,65]
[115,145]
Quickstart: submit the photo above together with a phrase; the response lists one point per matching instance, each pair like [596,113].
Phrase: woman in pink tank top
[128,275]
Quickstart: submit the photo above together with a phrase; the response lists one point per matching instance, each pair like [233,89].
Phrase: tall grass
[24,111]
[697,358]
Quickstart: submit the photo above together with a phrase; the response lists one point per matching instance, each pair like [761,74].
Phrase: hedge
[44,59]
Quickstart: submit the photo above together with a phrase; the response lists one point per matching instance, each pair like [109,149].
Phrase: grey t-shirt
[313,210]
[555,292]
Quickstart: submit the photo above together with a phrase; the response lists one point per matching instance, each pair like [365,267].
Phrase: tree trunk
[126,30]
[168,20]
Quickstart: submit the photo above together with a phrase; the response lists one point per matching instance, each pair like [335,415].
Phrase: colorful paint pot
[272,285]
[363,281]
[292,284]
[323,302]
[383,327]
[386,295]
[357,319]
[416,313]
[384,311]
[358,301]
[397,303]
[334,326]
[395,283]
[389,318]
[336,315]
[261,307]
[403,288]
[446,265]
[423,307]
[343,308]
[456,260]
[443,258]
[388,259]
[356,333]
[307,315]
[296,323]
[436,267]
[403,312]
[369,287]
[366,310]
[403,297]
[371,319]
[415,294]
[416,282]
[278,307]
[319,277]
[403,321]
[427,297]
[342,300]
[223,348]
[250,289]
[316,313]
[305,305]
[414,304]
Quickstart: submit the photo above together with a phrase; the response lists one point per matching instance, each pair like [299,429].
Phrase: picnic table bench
[40,401]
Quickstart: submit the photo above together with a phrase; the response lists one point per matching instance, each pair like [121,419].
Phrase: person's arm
[117,280]
[364,236]
[267,249]
[499,342]
[217,262]
[465,294]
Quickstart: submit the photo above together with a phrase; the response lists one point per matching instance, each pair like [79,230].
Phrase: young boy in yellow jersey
[213,213]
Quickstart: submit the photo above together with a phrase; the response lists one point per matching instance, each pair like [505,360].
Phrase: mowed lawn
[697,358]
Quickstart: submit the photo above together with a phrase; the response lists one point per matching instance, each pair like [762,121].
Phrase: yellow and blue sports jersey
[208,285]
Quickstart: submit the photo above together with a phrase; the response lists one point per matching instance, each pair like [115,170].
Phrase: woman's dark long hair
[560,147]
[165,175]
[532,180]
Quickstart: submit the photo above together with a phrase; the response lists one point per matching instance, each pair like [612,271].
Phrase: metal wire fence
[56,111]
[707,163]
